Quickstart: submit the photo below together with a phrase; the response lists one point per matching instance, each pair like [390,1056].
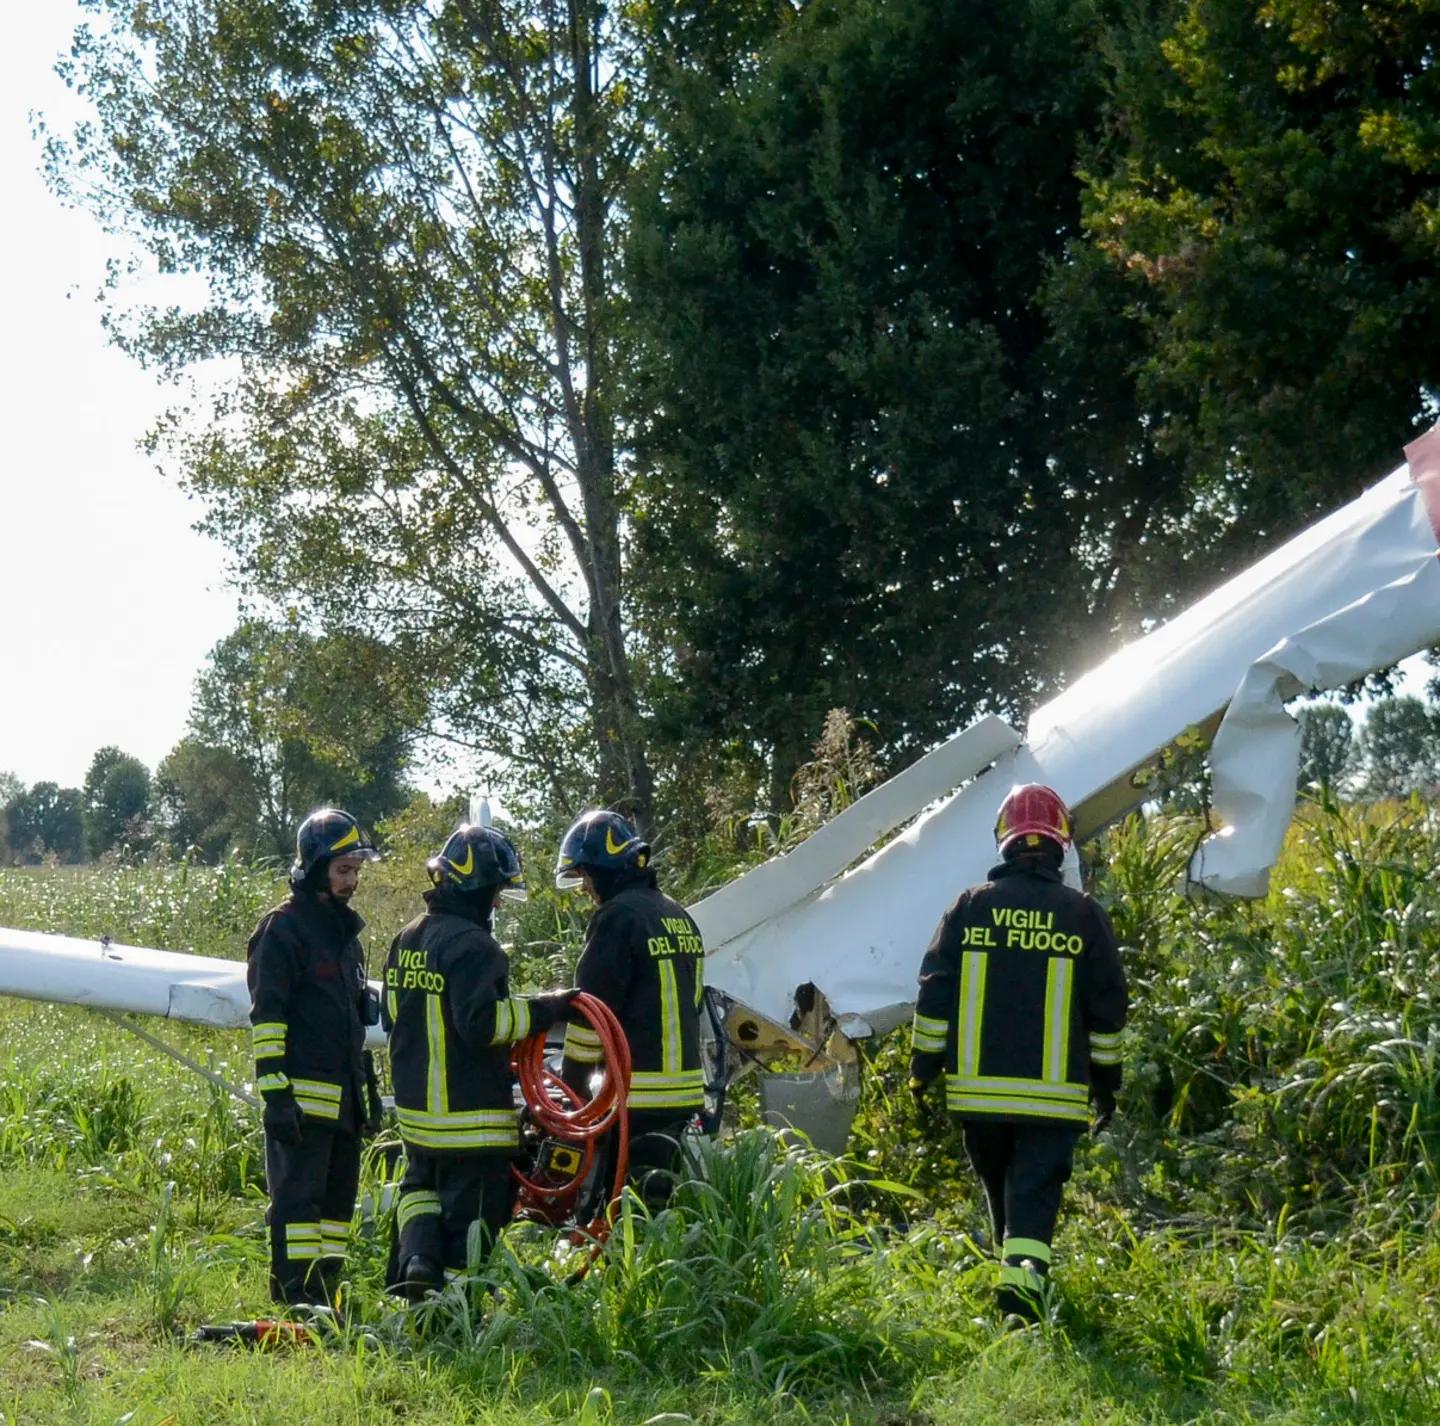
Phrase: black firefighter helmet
[476,857]
[325,833]
[601,840]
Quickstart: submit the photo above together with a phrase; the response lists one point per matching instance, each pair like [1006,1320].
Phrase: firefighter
[309,1005]
[1022,1000]
[451,1019]
[644,958]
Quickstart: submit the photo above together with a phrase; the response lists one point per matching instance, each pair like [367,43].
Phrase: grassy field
[1255,1240]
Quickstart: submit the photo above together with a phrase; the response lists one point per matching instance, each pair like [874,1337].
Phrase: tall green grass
[1255,1239]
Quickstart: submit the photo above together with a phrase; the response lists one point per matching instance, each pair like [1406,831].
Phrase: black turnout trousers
[1023,1169]
[312,1200]
[441,1195]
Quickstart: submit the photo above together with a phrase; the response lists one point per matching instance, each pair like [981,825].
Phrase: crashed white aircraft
[1356,592]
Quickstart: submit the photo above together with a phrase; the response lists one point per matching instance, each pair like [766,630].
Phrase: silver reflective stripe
[1105,1047]
[417,1204]
[973,965]
[1058,981]
[927,1033]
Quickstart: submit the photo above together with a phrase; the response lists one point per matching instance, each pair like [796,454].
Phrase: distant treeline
[281,723]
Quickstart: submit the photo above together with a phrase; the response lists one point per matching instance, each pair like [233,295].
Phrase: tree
[406,215]
[878,478]
[282,722]
[117,801]
[1268,199]
[205,798]
[1327,745]
[1401,744]
[46,820]
[10,788]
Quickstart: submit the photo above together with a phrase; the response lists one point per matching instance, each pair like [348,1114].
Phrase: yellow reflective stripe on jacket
[670,1050]
[928,1034]
[654,1089]
[1105,1047]
[437,1090]
[512,1021]
[973,965]
[582,1045]
[459,1118]
[268,1039]
[1036,1105]
[1059,980]
[1067,1092]
[267,1083]
[317,1089]
[464,1129]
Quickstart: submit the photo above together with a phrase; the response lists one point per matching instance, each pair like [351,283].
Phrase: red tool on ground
[573,1127]
[265,1335]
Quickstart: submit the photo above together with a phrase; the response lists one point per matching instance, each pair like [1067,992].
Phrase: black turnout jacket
[306,973]
[644,958]
[1022,1000]
[451,1019]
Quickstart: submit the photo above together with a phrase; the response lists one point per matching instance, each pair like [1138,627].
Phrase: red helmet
[1032,810]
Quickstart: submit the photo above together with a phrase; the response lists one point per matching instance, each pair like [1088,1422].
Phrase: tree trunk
[623,765]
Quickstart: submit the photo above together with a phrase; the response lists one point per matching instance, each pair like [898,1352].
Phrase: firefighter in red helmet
[1021,1004]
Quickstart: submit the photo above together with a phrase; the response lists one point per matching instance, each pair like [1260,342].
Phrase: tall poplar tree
[405,213]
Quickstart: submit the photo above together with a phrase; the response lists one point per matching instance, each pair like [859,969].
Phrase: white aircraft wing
[105,975]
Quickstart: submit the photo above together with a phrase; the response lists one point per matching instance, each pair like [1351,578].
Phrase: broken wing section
[1255,758]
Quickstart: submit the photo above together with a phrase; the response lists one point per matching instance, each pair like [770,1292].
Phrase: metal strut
[218,1080]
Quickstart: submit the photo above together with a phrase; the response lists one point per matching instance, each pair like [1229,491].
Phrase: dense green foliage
[650,379]
[1268,189]
[117,801]
[1253,1241]
[857,495]
[46,819]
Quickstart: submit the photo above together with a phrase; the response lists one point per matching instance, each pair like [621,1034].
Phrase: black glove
[374,1108]
[282,1118]
[932,1122]
[552,1008]
[1103,1101]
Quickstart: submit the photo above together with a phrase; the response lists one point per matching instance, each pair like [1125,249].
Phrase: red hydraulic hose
[564,1115]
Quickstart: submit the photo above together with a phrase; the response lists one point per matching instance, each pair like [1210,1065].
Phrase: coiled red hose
[562,1114]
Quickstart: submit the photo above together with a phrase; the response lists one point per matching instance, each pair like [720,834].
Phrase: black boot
[421,1275]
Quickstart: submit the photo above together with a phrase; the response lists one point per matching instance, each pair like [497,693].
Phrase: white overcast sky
[109,601]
